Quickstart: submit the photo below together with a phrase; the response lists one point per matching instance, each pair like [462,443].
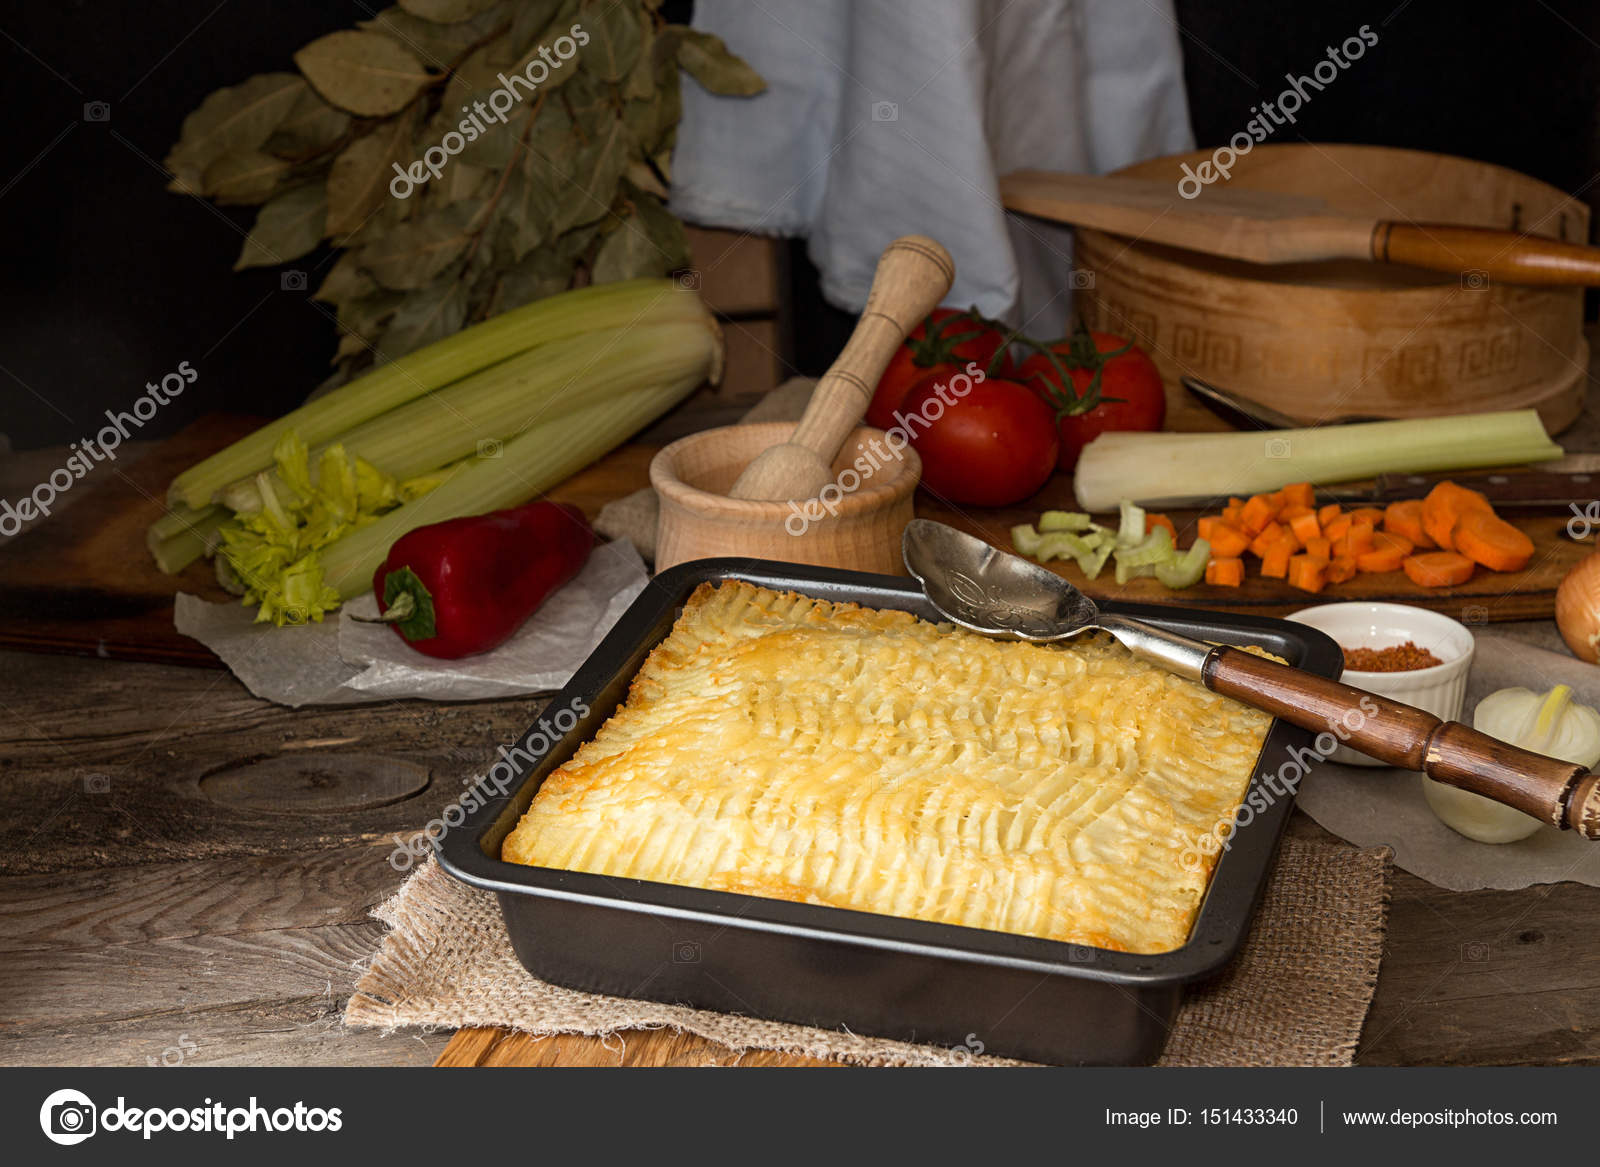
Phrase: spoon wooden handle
[913,275]
[1484,255]
[1559,793]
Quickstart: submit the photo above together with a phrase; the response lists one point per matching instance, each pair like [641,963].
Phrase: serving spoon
[981,588]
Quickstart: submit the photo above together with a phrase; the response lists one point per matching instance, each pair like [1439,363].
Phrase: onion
[1578,609]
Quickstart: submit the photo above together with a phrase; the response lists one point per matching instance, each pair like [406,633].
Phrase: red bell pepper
[465,585]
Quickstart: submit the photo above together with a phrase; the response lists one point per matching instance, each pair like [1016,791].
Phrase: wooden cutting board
[1488,596]
[83,582]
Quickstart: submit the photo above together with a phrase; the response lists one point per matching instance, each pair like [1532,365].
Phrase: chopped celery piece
[1188,568]
[1126,571]
[1096,560]
[1064,521]
[1130,531]
[1156,548]
[1062,545]
[1025,540]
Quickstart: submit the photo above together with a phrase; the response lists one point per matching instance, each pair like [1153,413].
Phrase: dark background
[109,281]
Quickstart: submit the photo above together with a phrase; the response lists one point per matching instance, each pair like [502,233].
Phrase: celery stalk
[632,302]
[1170,468]
[529,463]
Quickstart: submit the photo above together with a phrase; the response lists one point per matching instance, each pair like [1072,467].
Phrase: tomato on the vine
[1114,385]
[943,343]
[992,445]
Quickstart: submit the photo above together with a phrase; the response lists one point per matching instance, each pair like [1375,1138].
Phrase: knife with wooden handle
[1267,227]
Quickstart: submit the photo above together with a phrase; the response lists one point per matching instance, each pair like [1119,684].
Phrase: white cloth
[898,116]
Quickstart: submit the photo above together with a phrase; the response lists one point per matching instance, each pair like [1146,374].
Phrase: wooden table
[153,910]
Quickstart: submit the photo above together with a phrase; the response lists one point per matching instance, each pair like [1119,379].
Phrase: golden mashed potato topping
[788,747]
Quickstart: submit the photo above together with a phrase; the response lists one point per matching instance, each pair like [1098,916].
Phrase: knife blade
[1572,483]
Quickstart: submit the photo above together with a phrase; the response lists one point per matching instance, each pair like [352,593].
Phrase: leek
[1168,468]
[554,318]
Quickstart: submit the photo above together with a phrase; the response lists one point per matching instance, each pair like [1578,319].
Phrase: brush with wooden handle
[1267,227]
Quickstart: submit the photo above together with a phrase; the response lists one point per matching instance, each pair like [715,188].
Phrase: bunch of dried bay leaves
[568,189]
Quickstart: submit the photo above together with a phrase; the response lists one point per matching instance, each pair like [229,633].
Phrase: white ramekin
[1440,689]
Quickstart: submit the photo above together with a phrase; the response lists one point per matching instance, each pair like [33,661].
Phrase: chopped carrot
[1306,573]
[1438,569]
[1328,513]
[1493,542]
[1270,534]
[1319,548]
[1404,518]
[1228,541]
[1206,525]
[1445,504]
[1341,568]
[1373,515]
[1231,512]
[1226,572]
[1387,553]
[1258,512]
[1306,527]
[1275,563]
[1294,510]
[1152,520]
[1359,536]
[1299,494]
[1336,529]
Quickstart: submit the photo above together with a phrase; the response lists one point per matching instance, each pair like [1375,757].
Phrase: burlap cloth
[1296,996]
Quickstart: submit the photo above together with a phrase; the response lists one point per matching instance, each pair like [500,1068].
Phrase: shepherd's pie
[798,749]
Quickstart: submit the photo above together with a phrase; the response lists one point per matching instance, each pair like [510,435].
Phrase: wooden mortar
[1320,340]
[858,529]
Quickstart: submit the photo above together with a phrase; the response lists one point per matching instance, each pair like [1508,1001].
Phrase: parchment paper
[1371,806]
[342,661]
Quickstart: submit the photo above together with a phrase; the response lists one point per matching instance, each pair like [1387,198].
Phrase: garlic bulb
[1578,609]
[1549,723]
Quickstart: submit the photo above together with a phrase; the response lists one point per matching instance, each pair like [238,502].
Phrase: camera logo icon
[686,952]
[97,783]
[885,111]
[97,111]
[1080,280]
[1474,952]
[1278,448]
[688,280]
[489,447]
[1474,280]
[67,1117]
[292,281]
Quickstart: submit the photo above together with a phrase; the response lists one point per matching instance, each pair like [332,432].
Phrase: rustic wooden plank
[737,272]
[632,1048]
[301,1031]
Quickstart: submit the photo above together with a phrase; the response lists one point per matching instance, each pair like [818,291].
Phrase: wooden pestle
[913,275]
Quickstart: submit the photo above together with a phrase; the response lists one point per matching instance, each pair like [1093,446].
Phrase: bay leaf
[236,119]
[440,45]
[643,176]
[615,38]
[709,62]
[311,127]
[589,182]
[345,281]
[544,273]
[363,72]
[362,321]
[649,242]
[535,22]
[641,82]
[245,178]
[496,145]
[424,316]
[358,182]
[446,11]
[460,181]
[412,255]
[289,226]
[528,205]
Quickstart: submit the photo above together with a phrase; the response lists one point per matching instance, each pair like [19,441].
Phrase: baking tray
[940,984]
